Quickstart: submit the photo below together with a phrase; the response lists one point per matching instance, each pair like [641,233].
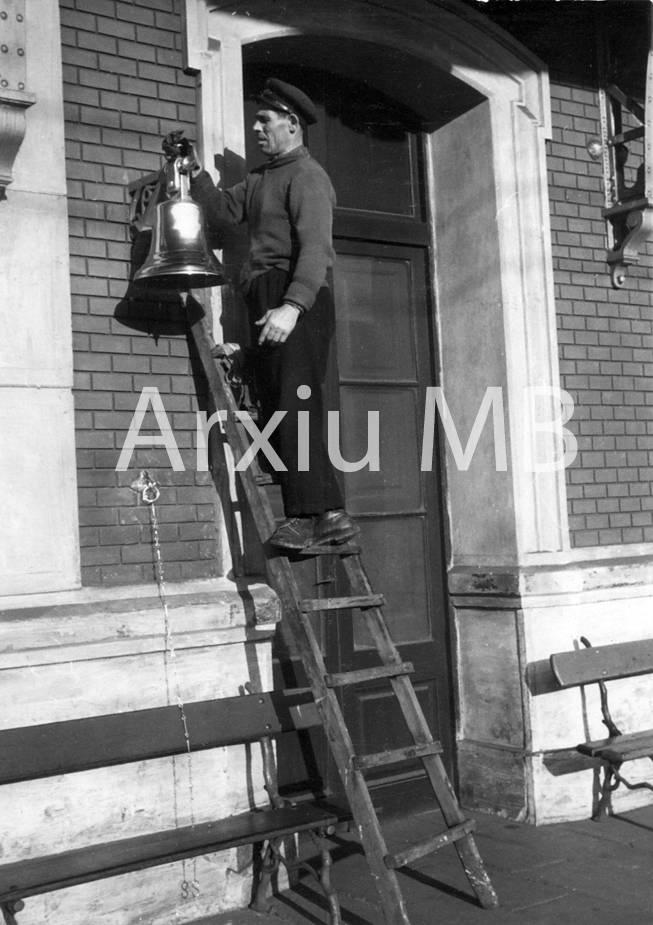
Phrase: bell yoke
[287,204]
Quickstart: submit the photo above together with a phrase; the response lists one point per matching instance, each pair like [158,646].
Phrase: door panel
[373,170]
[396,486]
[395,554]
[381,725]
[375,327]
[370,156]
[386,360]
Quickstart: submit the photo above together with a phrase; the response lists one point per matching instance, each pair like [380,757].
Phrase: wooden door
[372,151]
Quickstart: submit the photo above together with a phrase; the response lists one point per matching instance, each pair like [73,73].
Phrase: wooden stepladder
[351,767]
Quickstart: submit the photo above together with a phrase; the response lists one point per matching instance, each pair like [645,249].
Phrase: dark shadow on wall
[565,35]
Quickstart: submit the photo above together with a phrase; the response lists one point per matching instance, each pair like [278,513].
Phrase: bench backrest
[32,752]
[603,663]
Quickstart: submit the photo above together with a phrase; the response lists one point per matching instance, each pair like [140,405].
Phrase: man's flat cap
[284,97]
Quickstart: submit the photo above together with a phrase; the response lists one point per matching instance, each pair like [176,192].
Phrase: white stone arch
[491,237]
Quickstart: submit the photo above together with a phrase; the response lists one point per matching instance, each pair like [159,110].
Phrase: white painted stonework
[68,652]
[40,545]
[93,652]
[512,712]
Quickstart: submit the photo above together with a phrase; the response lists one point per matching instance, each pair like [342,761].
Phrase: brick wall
[605,340]
[123,90]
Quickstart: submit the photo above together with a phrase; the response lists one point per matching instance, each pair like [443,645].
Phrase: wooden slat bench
[598,664]
[79,745]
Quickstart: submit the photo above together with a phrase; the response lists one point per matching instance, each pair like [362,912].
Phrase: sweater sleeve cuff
[300,294]
[202,178]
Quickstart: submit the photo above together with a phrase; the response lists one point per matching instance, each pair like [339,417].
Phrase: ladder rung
[363,762]
[342,549]
[368,674]
[429,845]
[265,478]
[342,603]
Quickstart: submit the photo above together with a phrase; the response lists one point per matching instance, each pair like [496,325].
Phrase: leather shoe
[334,527]
[294,533]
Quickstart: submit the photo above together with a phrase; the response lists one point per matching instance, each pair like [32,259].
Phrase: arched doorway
[373,147]
[483,102]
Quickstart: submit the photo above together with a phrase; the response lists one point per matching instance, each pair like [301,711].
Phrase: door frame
[490,228]
[508,194]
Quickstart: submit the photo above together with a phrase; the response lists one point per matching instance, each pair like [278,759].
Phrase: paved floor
[582,873]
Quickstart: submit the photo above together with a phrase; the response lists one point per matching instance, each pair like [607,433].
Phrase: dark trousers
[304,359]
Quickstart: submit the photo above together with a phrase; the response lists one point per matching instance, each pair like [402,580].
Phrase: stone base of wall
[98,651]
[517,730]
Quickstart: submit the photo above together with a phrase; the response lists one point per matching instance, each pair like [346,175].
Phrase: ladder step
[368,674]
[393,861]
[341,603]
[362,762]
[341,549]
[265,478]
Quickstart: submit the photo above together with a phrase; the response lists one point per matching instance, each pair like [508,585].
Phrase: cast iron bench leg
[613,772]
[271,857]
[9,910]
[269,861]
[608,787]
[325,876]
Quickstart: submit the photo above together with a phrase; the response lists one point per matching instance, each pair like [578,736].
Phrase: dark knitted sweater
[288,206]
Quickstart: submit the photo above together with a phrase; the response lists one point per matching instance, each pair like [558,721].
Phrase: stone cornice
[93,623]
[627,575]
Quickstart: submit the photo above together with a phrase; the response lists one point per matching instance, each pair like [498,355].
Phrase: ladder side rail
[223,482]
[390,655]
[342,747]
[406,695]
[361,587]
[224,401]
[279,572]
[281,576]
[419,728]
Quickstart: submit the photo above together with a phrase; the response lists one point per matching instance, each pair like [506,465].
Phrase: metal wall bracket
[145,193]
[628,208]
[14,97]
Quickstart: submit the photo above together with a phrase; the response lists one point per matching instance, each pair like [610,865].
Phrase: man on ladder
[288,206]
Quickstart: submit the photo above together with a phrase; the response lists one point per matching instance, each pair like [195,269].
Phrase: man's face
[274,132]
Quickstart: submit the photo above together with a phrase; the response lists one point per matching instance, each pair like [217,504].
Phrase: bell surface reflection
[179,257]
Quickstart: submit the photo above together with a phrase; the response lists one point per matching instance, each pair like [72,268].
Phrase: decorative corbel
[14,98]
[635,229]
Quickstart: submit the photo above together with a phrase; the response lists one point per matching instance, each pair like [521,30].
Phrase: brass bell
[180,257]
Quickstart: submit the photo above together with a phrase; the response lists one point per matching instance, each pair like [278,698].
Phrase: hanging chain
[150,493]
